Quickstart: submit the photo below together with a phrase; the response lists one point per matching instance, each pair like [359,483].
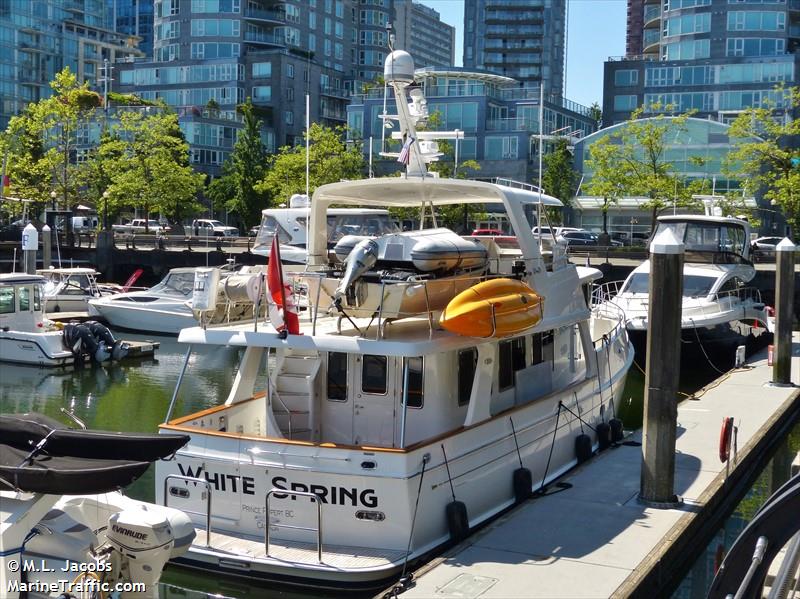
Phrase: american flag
[405,152]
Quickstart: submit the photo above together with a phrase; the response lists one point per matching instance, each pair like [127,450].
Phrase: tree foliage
[331,160]
[632,162]
[246,166]
[42,142]
[145,160]
[766,155]
[559,178]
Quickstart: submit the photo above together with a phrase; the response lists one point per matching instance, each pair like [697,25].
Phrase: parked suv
[209,227]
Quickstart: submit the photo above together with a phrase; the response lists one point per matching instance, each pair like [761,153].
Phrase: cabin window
[536,349]
[467,363]
[37,298]
[24,299]
[415,381]
[505,372]
[337,376]
[518,353]
[373,375]
[548,346]
[7,300]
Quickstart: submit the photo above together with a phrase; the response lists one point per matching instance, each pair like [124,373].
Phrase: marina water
[134,396]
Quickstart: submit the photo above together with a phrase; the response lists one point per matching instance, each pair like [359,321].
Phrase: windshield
[693,285]
[176,283]
[373,225]
[707,236]
[215,223]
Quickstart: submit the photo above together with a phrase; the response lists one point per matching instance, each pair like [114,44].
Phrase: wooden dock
[137,349]
[591,537]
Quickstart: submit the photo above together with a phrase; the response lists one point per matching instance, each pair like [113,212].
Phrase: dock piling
[30,245]
[784,312]
[662,372]
[47,247]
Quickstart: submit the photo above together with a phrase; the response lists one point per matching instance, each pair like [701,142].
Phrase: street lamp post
[53,198]
[105,210]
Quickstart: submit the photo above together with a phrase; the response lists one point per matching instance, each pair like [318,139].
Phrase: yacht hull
[368,495]
[134,316]
[39,349]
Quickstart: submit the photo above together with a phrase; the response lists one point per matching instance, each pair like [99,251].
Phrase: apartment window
[626,102]
[337,376]
[261,69]
[288,117]
[338,30]
[626,77]
[756,20]
[687,50]
[289,94]
[327,26]
[339,9]
[500,148]
[373,374]
[686,24]
[749,46]
[290,71]
[262,93]
[415,381]
[312,20]
[467,364]
[312,42]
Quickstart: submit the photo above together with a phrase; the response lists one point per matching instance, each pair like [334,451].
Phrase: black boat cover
[26,430]
[40,455]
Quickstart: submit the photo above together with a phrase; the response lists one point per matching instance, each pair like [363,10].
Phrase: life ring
[725,433]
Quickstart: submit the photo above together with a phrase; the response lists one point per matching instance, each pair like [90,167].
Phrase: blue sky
[596,31]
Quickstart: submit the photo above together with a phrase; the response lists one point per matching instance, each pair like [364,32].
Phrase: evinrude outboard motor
[113,348]
[360,260]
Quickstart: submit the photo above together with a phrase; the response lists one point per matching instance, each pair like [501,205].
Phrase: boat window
[373,375]
[729,286]
[467,363]
[693,285]
[374,225]
[415,381]
[24,299]
[697,286]
[7,300]
[518,353]
[536,349]
[505,372]
[37,298]
[77,285]
[337,376]
[269,225]
[548,346]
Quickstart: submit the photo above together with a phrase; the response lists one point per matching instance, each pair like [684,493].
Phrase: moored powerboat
[720,311]
[382,431]
[70,289]
[166,307]
[62,516]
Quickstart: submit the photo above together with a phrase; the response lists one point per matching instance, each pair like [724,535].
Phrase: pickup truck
[137,225]
[208,227]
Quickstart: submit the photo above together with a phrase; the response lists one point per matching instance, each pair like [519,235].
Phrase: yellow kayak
[494,308]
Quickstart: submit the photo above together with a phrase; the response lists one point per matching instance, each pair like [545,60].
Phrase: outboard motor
[360,260]
[79,339]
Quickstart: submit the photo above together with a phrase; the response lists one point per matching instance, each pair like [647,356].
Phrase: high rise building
[717,57]
[135,18]
[39,39]
[522,39]
[420,32]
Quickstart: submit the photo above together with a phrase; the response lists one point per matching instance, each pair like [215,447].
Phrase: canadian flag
[282,309]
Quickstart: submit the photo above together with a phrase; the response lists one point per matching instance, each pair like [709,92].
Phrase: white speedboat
[404,413]
[720,311]
[70,289]
[65,530]
[166,307]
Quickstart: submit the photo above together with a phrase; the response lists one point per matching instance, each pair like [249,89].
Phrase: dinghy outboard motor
[360,260]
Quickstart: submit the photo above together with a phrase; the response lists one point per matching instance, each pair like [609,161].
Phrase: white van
[85,224]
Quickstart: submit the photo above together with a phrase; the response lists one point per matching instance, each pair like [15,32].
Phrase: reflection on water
[774,474]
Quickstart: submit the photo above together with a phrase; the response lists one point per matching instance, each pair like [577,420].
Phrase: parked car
[141,225]
[209,227]
[486,232]
[766,243]
[583,238]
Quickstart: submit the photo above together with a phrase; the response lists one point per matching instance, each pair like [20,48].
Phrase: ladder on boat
[293,392]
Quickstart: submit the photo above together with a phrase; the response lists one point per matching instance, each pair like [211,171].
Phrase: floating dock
[589,536]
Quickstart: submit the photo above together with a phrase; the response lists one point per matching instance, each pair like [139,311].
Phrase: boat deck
[337,557]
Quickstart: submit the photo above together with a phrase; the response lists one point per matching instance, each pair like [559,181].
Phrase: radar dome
[398,68]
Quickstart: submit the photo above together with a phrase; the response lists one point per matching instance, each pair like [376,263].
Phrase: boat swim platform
[594,538]
[282,552]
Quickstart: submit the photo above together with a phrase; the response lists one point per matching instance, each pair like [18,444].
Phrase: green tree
[632,162]
[559,178]
[147,160]
[246,166]
[596,114]
[43,141]
[765,159]
[331,160]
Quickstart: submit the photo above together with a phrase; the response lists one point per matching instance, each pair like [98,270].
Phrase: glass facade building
[717,57]
[134,17]
[522,39]
[498,115]
[421,33]
[38,39]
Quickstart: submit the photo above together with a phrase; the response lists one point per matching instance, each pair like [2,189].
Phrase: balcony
[265,16]
[652,13]
[334,92]
[651,40]
[267,39]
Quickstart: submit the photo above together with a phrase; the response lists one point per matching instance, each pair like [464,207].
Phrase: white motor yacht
[720,311]
[166,308]
[70,289]
[426,390]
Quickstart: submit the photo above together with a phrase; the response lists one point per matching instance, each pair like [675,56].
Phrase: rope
[552,445]
[403,582]
[578,416]
[514,432]
[607,345]
[703,349]
[450,480]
